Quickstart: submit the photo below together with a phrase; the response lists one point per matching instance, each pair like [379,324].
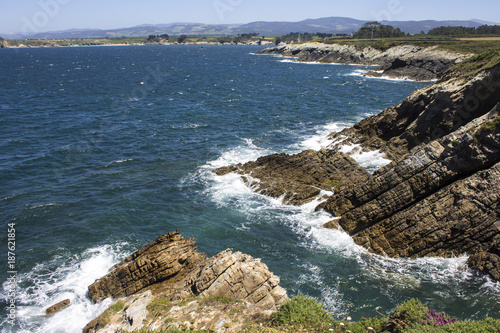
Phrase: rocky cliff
[406,61]
[168,283]
[439,196]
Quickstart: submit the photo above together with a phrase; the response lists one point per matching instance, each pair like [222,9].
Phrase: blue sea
[103,149]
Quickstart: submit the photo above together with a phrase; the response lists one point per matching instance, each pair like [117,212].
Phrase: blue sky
[50,15]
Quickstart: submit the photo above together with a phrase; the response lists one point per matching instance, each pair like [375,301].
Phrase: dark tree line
[482,30]
[378,30]
[157,38]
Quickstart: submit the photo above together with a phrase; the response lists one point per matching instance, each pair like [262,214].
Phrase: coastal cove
[106,148]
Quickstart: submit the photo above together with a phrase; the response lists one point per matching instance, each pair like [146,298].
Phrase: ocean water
[103,149]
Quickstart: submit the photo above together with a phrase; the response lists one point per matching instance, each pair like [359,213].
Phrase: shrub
[438,319]
[303,311]
[408,314]
[488,325]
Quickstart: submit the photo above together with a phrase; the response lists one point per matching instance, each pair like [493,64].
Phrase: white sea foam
[370,160]
[62,278]
[364,72]
[320,139]
[189,126]
[246,152]
[294,60]
[230,192]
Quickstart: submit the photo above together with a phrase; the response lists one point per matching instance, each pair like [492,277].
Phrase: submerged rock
[170,279]
[57,307]
[300,178]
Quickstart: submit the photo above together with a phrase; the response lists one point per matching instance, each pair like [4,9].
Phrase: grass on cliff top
[304,314]
[475,64]
[452,44]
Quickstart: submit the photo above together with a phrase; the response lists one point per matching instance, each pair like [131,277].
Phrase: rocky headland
[405,61]
[169,284]
[440,194]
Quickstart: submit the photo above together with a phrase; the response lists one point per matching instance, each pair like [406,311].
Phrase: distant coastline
[107,42]
[398,62]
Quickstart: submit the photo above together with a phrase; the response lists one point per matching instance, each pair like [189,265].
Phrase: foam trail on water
[62,278]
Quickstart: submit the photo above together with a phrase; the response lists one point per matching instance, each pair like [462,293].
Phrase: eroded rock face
[169,274]
[161,260]
[442,199]
[299,178]
[426,115]
[438,197]
[405,61]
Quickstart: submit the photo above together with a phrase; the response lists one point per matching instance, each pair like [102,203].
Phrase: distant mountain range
[335,25]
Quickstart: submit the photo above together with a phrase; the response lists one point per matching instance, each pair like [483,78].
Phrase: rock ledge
[170,279]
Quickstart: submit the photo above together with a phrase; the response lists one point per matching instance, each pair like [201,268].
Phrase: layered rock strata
[301,178]
[440,200]
[405,61]
[426,115]
[169,278]
[439,196]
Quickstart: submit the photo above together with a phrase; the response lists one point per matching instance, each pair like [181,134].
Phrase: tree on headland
[181,39]
[378,30]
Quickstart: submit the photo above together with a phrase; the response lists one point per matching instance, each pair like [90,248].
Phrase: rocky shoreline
[440,194]
[169,284]
[398,62]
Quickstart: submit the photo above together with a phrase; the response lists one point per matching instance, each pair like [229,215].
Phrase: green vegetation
[170,330]
[482,30]
[378,30]
[218,300]
[473,65]
[76,42]
[117,306]
[159,307]
[488,126]
[304,314]
[446,43]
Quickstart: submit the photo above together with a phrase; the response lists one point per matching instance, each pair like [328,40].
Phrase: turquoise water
[103,149]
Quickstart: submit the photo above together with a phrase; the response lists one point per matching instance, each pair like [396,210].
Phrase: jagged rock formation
[299,178]
[440,200]
[406,61]
[169,277]
[426,115]
[440,195]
